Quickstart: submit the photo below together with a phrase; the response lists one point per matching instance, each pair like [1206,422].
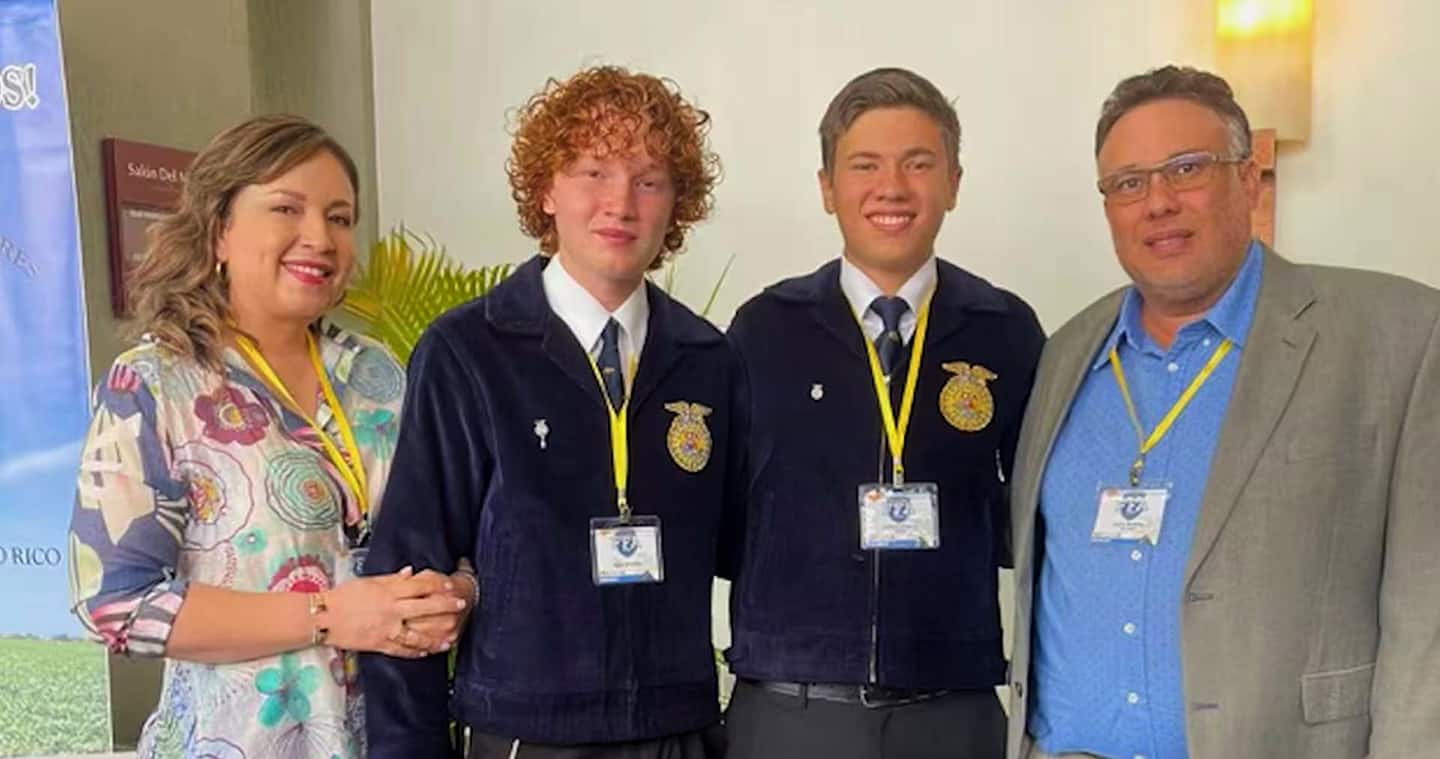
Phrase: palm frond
[669,278]
[714,291]
[408,283]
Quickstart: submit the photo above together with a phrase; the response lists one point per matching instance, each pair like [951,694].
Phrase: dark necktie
[889,343]
[609,363]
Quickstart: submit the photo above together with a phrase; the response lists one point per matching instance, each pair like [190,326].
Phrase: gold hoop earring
[219,269]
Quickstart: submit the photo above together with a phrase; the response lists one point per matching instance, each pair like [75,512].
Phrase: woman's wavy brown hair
[179,293]
[609,110]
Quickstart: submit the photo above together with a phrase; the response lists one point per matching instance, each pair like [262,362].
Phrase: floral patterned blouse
[188,476]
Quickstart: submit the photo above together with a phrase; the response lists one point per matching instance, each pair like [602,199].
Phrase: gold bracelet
[317,607]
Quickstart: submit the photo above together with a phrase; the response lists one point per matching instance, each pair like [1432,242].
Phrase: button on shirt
[1107,664]
[586,317]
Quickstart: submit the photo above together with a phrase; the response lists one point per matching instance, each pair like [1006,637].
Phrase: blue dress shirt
[1107,664]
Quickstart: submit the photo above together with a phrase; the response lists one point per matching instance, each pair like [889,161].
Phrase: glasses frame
[1165,169]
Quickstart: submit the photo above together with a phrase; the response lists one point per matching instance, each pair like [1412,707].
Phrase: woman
[227,479]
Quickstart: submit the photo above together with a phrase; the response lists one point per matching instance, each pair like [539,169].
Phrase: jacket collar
[958,295]
[518,306]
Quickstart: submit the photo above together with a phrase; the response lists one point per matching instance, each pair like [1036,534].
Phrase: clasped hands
[406,614]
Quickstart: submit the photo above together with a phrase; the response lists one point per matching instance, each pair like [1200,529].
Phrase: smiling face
[889,188]
[288,244]
[611,213]
[1181,248]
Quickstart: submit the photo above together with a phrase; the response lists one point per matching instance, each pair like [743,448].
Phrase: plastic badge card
[1130,514]
[905,517]
[626,551]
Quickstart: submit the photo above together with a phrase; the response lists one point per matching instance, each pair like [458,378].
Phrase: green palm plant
[667,277]
[408,282]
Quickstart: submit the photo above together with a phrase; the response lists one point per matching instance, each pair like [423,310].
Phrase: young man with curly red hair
[568,433]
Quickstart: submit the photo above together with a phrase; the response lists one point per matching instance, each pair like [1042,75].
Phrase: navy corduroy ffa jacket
[548,656]
[808,604]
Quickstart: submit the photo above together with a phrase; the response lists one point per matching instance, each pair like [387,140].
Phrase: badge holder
[626,551]
[356,539]
[899,517]
[1136,511]
[356,560]
[1130,513]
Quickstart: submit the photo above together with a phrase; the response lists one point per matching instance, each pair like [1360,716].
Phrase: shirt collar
[861,291]
[1230,316]
[338,350]
[585,316]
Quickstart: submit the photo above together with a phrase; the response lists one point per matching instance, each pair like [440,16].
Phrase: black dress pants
[964,724]
[708,743]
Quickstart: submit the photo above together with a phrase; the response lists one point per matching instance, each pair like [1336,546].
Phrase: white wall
[1028,77]
[1363,191]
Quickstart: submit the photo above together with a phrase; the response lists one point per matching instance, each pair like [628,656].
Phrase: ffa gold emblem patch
[688,438]
[965,401]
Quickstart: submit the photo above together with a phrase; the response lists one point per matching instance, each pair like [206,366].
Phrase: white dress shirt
[586,318]
[861,291]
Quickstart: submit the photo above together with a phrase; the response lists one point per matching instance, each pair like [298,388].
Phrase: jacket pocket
[1338,694]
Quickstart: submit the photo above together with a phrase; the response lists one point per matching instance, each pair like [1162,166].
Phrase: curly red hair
[609,110]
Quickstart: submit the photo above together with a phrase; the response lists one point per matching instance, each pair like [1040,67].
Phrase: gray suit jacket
[1311,618]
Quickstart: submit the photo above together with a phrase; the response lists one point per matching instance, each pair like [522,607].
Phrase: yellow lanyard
[1147,443]
[351,469]
[619,437]
[895,432]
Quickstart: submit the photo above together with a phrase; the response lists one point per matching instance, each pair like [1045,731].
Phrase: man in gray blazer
[1227,490]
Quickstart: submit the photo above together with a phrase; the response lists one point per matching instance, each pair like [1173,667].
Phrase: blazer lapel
[821,295]
[561,347]
[1270,366]
[660,352]
[1050,403]
[958,297]
[518,306]
[833,312]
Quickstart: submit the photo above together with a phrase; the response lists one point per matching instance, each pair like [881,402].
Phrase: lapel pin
[542,431]
[817,391]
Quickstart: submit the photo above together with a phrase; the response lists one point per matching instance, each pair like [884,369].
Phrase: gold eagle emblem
[965,401]
[688,439]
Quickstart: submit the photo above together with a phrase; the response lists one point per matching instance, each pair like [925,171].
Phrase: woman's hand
[446,627]
[370,613]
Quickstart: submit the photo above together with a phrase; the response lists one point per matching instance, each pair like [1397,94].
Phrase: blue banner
[53,688]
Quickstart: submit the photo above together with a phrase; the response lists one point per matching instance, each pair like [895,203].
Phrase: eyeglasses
[1190,171]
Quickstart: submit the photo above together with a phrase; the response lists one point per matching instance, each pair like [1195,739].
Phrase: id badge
[1130,514]
[899,518]
[624,552]
[356,560]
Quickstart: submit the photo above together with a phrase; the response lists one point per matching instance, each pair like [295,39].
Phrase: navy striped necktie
[609,363]
[887,346]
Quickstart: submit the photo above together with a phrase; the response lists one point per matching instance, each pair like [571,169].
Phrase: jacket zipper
[874,673]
